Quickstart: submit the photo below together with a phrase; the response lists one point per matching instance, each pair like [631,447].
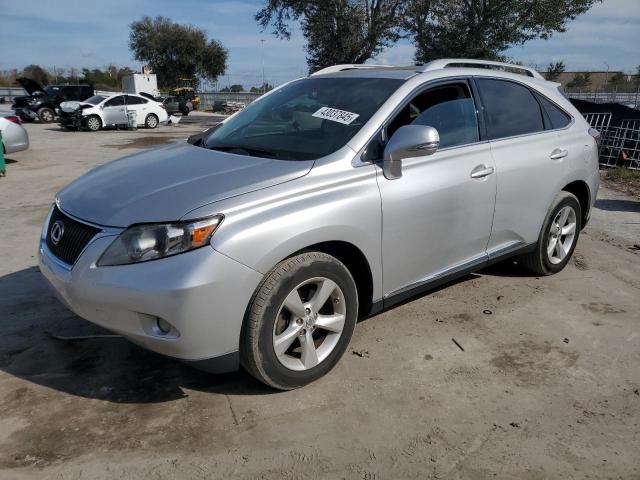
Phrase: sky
[94,33]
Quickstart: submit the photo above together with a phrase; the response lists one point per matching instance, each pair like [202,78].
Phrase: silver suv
[328,199]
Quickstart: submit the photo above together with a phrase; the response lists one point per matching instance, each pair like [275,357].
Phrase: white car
[102,111]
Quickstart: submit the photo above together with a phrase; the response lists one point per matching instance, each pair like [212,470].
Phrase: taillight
[596,135]
[14,119]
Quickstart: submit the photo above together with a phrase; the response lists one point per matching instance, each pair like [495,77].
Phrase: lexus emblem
[56,232]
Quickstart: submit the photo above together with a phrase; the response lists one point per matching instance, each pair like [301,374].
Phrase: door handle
[481,171]
[558,153]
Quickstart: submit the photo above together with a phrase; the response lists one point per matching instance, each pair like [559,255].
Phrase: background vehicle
[42,102]
[138,83]
[102,111]
[187,93]
[175,105]
[14,137]
[329,197]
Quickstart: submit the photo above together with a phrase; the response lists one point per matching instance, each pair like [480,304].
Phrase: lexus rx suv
[328,199]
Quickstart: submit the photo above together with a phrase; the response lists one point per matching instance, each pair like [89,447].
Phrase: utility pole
[262,55]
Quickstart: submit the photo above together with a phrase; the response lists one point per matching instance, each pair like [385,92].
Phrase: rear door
[114,111]
[529,159]
[437,215]
[138,105]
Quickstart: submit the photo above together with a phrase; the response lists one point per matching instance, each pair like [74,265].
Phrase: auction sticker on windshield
[335,115]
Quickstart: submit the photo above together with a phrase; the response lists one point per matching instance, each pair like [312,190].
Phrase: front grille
[69,237]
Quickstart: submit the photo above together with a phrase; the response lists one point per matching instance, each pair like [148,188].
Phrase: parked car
[102,111]
[175,105]
[329,198]
[42,102]
[14,137]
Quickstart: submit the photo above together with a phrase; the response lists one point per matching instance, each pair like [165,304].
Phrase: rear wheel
[46,115]
[299,321]
[151,121]
[558,237]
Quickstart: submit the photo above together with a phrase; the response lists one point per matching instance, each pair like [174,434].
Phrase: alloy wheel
[47,116]
[562,234]
[309,323]
[93,123]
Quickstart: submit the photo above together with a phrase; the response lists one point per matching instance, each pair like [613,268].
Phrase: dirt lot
[547,385]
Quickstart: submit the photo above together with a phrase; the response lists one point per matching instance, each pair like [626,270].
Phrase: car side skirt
[473,266]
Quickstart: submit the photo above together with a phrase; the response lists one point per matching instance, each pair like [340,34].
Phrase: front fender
[334,202]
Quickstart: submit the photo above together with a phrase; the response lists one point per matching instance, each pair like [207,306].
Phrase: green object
[2,164]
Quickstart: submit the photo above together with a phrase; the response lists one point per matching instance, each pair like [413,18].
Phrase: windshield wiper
[253,152]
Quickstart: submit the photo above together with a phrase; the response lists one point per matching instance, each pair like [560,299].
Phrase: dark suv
[41,102]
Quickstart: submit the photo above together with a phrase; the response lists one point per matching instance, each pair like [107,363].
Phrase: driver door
[437,216]
[114,111]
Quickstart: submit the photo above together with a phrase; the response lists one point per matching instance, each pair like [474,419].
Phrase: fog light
[163,326]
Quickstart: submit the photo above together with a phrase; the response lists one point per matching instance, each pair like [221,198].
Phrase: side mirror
[408,142]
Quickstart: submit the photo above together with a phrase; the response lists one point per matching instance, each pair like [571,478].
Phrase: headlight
[141,243]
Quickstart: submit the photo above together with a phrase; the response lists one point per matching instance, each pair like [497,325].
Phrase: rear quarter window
[511,109]
[557,117]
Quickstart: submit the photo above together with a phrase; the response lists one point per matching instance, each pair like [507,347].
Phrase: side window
[511,109]
[69,92]
[115,101]
[557,117]
[133,100]
[449,109]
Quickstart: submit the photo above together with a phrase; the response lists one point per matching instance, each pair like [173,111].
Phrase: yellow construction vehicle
[186,92]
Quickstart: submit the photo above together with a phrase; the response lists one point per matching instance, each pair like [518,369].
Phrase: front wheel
[46,115]
[300,321]
[558,237]
[94,123]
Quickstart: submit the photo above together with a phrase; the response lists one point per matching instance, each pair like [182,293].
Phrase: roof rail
[472,63]
[347,66]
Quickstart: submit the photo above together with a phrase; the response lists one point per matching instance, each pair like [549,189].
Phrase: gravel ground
[545,384]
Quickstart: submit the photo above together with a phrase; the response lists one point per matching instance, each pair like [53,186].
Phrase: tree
[617,79]
[554,70]
[337,31]
[37,73]
[581,80]
[485,28]
[174,50]
[108,79]
[265,87]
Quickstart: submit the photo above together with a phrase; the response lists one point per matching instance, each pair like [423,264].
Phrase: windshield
[95,100]
[304,120]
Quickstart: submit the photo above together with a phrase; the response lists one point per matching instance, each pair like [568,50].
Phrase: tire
[185,111]
[93,123]
[544,260]
[46,115]
[151,121]
[269,320]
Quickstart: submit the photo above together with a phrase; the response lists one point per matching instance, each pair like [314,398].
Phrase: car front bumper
[202,294]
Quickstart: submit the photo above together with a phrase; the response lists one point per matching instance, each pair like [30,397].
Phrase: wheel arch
[580,189]
[356,262]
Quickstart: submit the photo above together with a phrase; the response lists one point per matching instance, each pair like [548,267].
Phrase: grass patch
[623,180]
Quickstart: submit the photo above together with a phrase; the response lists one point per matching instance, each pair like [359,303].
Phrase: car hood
[71,106]
[165,184]
[29,85]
